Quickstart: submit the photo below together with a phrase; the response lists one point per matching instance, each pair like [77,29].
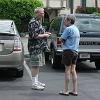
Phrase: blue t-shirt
[71,38]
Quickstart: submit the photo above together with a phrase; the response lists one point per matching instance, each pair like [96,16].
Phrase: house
[55,7]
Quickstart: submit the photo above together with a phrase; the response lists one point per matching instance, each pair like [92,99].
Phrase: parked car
[89,48]
[11,48]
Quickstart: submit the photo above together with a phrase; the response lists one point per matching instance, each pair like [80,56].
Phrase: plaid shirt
[36,45]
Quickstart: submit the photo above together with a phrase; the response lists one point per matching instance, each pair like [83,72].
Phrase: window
[55,25]
[83,3]
[88,24]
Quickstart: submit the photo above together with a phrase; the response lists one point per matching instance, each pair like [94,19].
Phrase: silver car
[11,48]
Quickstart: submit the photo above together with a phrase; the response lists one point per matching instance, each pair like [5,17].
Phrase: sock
[35,79]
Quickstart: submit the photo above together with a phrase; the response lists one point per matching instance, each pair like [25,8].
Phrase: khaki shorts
[69,57]
[37,60]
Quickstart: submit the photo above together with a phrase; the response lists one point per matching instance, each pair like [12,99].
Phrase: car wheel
[55,60]
[47,56]
[19,73]
[97,64]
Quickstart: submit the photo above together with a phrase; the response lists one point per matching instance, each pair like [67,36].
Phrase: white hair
[38,9]
[71,17]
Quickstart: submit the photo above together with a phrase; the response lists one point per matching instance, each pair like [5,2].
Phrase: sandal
[72,93]
[64,93]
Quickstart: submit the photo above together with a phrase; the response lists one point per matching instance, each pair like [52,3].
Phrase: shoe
[41,84]
[64,93]
[72,93]
[37,87]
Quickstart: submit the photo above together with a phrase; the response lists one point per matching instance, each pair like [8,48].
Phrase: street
[20,88]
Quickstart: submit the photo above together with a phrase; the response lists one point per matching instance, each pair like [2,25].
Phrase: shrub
[19,10]
[46,25]
[87,10]
[98,14]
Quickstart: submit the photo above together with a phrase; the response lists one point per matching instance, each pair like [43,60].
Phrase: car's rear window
[55,25]
[6,37]
[88,24]
[6,27]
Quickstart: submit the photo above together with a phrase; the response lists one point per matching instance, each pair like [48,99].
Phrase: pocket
[34,57]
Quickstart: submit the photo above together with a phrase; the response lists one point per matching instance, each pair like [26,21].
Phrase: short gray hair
[71,17]
[37,9]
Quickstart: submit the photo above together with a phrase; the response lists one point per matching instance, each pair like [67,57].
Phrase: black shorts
[69,57]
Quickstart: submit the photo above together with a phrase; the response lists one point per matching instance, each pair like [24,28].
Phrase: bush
[46,25]
[98,14]
[87,10]
[21,11]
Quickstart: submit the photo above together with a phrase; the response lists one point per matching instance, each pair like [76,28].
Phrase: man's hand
[45,35]
[48,33]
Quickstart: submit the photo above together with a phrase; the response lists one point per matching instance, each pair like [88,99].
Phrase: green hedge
[21,11]
[87,10]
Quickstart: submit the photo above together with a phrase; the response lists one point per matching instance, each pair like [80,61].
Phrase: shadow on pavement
[6,75]
[81,68]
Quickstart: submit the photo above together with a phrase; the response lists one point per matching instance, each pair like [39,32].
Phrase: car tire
[97,64]
[47,56]
[55,60]
[19,73]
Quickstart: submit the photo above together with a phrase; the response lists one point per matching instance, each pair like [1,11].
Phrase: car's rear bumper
[89,55]
[58,52]
[13,60]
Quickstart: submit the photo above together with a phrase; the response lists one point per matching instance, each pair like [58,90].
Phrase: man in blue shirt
[70,38]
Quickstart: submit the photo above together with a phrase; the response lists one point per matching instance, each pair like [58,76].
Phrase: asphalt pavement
[88,84]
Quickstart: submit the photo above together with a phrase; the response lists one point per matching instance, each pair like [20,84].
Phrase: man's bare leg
[67,79]
[74,78]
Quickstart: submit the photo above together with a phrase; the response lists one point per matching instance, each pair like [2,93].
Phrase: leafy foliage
[19,10]
[87,10]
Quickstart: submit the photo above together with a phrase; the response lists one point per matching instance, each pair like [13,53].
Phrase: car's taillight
[59,42]
[17,44]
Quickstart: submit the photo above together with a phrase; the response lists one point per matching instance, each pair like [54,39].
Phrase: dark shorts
[69,57]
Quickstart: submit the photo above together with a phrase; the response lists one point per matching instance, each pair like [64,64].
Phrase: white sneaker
[37,87]
[41,84]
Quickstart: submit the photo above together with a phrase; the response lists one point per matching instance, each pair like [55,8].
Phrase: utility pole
[96,5]
[71,5]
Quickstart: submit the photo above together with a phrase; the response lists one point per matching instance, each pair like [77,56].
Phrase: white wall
[54,3]
[76,3]
[90,3]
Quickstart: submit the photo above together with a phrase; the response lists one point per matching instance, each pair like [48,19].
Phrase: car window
[88,24]
[6,27]
[55,26]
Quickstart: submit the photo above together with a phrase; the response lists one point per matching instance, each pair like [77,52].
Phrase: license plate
[84,55]
[0,47]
